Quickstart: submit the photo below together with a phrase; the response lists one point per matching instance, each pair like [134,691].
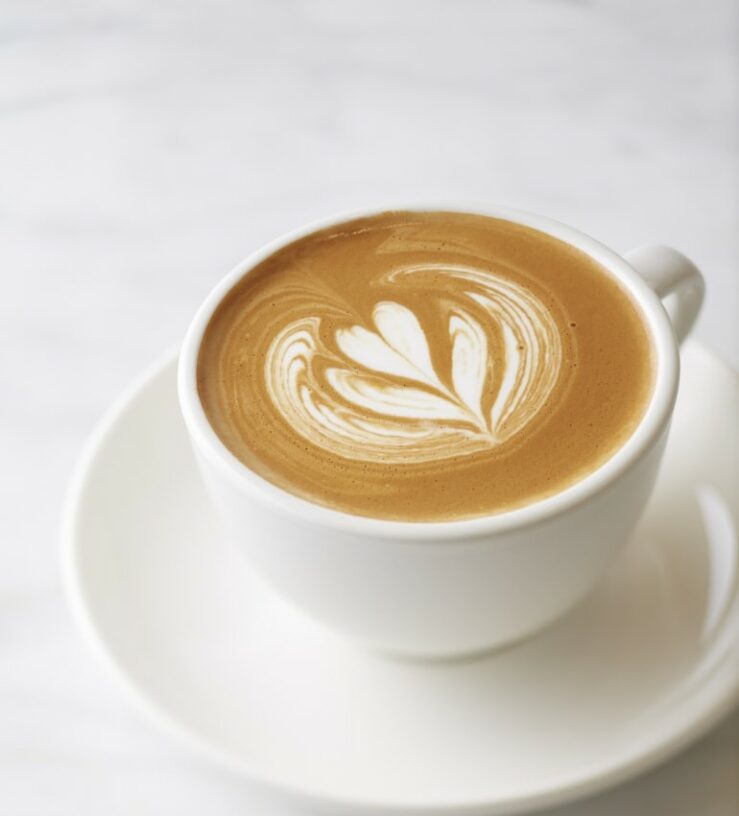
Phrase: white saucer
[645,665]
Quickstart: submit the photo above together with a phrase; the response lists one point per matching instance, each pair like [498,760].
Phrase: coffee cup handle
[675,279]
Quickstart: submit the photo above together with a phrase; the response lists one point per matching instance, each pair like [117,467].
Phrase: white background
[145,147]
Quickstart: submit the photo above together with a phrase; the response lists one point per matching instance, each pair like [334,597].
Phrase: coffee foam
[425,366]
[376,396]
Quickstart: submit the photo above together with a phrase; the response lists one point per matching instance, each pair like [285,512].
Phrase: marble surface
[147,147]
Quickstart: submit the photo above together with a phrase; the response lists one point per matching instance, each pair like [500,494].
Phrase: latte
[425,366]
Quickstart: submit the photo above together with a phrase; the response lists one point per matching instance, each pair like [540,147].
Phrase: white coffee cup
[451,588]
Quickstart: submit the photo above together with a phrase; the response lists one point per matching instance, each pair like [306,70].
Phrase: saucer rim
[713,706]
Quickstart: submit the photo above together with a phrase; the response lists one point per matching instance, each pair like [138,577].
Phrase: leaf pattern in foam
[366,414]
[370,351]
[401,330]
[511,376]
[393,401]
[469,361]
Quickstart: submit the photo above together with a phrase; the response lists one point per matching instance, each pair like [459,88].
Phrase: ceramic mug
[452,588]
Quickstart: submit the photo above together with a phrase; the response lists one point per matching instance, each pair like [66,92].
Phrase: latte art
[374,393]
[422,366]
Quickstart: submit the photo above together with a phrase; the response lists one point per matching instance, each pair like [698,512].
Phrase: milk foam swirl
[378,394]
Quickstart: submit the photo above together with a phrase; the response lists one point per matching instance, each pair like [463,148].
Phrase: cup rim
[648,431]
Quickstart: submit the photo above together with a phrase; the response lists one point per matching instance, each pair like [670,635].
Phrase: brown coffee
[425,366]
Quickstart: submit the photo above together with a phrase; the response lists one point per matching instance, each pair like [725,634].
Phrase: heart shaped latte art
[374,393]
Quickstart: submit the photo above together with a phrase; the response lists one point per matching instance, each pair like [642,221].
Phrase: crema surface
[425,366]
